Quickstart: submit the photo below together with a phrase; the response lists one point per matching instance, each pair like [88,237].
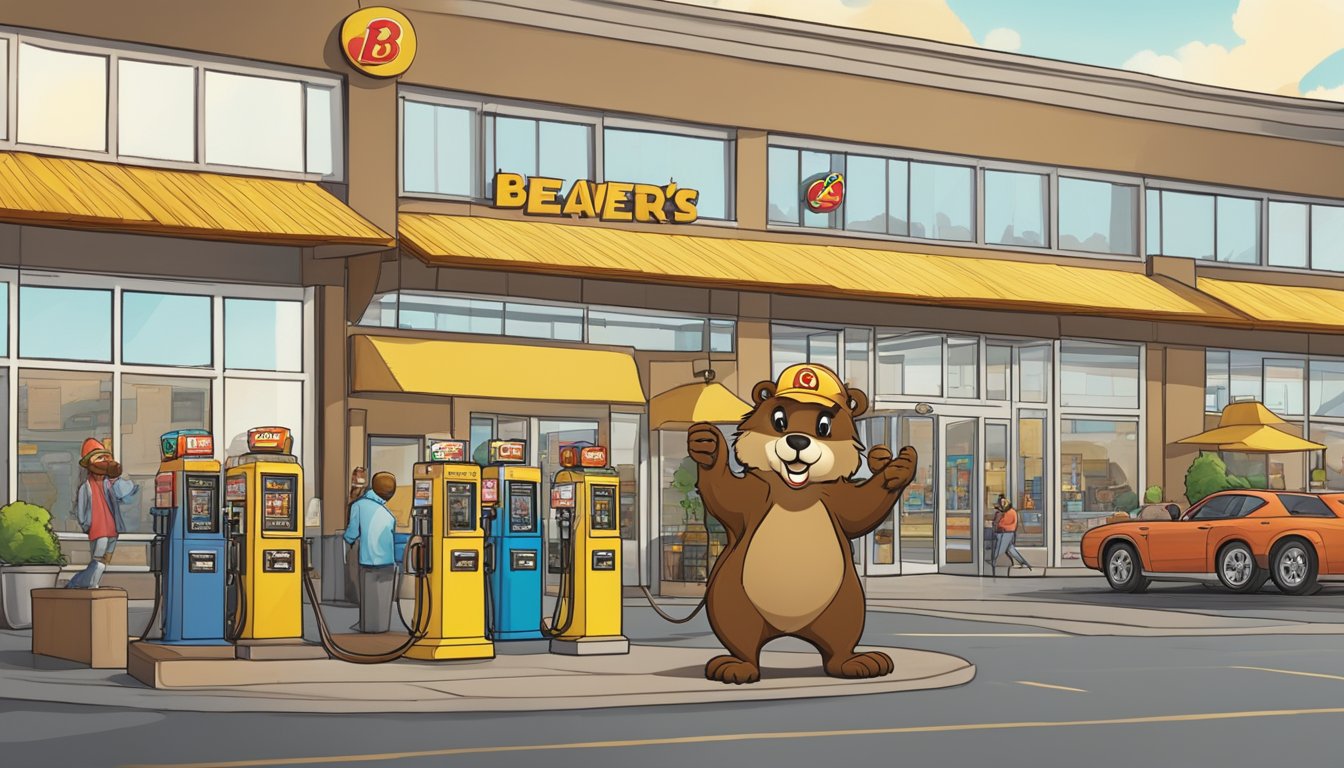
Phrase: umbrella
[1248,427]
[690,403]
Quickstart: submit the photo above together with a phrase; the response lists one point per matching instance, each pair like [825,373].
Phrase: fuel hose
[423,594]
[153,612]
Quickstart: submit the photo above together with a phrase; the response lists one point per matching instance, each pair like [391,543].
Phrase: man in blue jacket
[372,525]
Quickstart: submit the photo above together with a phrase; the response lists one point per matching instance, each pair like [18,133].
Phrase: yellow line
[978,634]
[1291,672]
[731,737]
[1054,687]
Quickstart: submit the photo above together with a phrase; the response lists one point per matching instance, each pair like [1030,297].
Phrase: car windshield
[1225,507]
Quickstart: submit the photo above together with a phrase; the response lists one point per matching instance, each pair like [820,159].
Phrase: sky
[1284,47]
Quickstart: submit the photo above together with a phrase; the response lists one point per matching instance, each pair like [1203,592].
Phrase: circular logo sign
[378,41]
[805,379]
[825,194]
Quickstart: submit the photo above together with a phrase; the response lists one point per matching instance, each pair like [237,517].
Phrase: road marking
[1053,687]
[978,634]
[732,737]
[1292,672]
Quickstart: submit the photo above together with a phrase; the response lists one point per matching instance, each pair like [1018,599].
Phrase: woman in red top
[1005,534]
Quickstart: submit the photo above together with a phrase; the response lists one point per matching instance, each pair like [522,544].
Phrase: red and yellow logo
[378,41]
[826,194]
[805,378]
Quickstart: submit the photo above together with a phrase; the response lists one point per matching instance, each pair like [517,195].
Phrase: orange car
[1241,537]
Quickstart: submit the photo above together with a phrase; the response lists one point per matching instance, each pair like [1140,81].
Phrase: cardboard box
[83,625]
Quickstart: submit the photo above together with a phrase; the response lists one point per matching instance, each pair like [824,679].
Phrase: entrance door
[996,484]
[961,536]
[917,510]
[878,553]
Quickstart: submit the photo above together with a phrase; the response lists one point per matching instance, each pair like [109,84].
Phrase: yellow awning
[63,192]
[1248,427]
[511,371]
[573,249]
[690,403]
[1280,304]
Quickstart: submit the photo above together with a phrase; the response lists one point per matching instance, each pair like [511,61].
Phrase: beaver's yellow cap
[812,383]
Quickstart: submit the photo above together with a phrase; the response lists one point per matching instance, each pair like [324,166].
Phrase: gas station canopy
[1248,427]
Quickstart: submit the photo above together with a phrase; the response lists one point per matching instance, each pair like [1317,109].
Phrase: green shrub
[1208,475]
[26,537]
[1126,502]
[1153,495]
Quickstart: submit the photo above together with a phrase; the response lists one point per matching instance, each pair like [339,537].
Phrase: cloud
[1003,39]
[1282,41]
[929,19]
[1326,94]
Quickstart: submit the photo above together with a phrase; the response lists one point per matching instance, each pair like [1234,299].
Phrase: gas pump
[509,496]
[446,513]
[189,545]
[585,496]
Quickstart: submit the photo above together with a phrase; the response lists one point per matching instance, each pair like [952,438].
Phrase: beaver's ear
[763,391]
[858,402]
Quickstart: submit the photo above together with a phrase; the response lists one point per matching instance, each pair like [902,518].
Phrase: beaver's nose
[798,442]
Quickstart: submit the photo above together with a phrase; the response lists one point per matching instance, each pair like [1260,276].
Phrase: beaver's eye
[824,425]
[779,421]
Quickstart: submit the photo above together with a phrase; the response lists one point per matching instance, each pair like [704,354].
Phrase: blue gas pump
[190,539]
[516,544]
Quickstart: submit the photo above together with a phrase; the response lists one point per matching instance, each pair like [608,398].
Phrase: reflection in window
[1033,363]
[156,110]
[672,334]
[1099,475]
[659,158]
[62,100]
[1327,389]
[941,202]
[1246,375]
[1287,234]
[263,335]
[1217,380]
[858,346]
[722,335]
[1099,375]
[539,321]
[1283,386]
[426,312]
[548,148]
[865,206]
[1187,225]
[910,364]
[1015,205]
[234,135]
[1096,216]
[166,329]
[46,316]
[57,411]
[151,406]
[1327,237]
[963,365]
[438,149]
[998,367]
[1238,230]
[784,194]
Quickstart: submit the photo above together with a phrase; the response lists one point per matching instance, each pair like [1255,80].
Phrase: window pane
[263,335]
[858,349]
[1246,371]
[963,366]
[1327,389]
[783,182]
[722,335]
[813,166]
[788,346]
[543,322]
[233,133]
[998,364]
[150,406]
[156,110]
[420,312]
[655,158]
[46,316]
[4,319]
[675,334]
[397,455]
[911,364]
[1096,216]
[1187,226]
[515,146]
[165,329]
[1283,386]
[1332,437]
[319,124]
[482,432]
[417,147]
[1099,474]
[1217,381]
[4,103]
[57,411]
[1287,235]
[823,348]
[1099,375]
[62,98]
[898,197]
[1033,364]
[566,151]
[941,202]
[1327,237]
[1154,222]
[1238,230]
[865,206]
[1014,208]
[382,311]
[1030,478]
[252,403]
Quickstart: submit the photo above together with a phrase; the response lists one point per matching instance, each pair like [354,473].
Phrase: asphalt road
[1040,698]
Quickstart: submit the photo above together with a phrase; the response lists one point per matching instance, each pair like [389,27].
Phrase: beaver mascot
[787,569]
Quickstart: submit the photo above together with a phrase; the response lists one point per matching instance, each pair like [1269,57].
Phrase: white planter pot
[16,582]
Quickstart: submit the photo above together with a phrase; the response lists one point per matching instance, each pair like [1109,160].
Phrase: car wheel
[1236,568]
[1293,567]
[1123,569]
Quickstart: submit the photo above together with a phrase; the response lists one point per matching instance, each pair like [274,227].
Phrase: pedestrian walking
[1005,535]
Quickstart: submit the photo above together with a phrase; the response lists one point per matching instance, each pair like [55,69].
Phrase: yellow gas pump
[586,498]
[446,512]
[263,491]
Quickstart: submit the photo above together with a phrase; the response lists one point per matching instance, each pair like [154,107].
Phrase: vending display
[423,495]
[278,509]
[202,504]
[522,507]
[461,506]
[604,508]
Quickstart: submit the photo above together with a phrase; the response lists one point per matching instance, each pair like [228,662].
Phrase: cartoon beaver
[787,569]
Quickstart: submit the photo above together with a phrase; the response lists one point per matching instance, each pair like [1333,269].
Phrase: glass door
[961,535]
[552,435]
[996,484]
[878,553]
[918,506]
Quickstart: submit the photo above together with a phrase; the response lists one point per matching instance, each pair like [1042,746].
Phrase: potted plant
[30,558]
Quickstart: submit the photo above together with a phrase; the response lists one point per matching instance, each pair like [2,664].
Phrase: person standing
[1005,535]
[372,525]
[102,491]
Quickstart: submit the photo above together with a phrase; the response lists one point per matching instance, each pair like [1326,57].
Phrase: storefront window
[1246,370]
[651,332]
[1099,462]
[397,455]
[62,98]
[1327,388]
[1097,216]
[553,435]
[910,364]
[788,346]
[58,410]
[942,201]
[1238,235]
[540,321]
[963,367]
[1099,375]
[156,110]
[651,157]
[784,193]
[858,351]
[1029,478]
[263,335]
[437,148]
[1015,206]
[691,540]
[1033,364]
[166,329]
[884,545]
[46,316]
[252,403]
[1187,225]
[1287,234]
[919,501]
[233,135]
[1327,237]
[998,371]
[1332,437]
[426,312]
[813,166]
[625,450]
[865,206]
[722,335]
[320,115]
[555,150]
[1283,386]
[151,406]
[1217,380]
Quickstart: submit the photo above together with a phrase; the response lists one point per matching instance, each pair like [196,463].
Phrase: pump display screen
[202,504]
[603,508]
[461,506]
[522,507]
[423,493]
[278,510]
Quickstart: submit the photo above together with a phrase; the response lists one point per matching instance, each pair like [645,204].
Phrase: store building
[1044,274]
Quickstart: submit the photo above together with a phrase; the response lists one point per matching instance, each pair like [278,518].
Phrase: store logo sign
[378,41]
[826,193]
[609,201]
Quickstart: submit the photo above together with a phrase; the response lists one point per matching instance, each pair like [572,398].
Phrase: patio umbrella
[1247,427]
[689,403]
